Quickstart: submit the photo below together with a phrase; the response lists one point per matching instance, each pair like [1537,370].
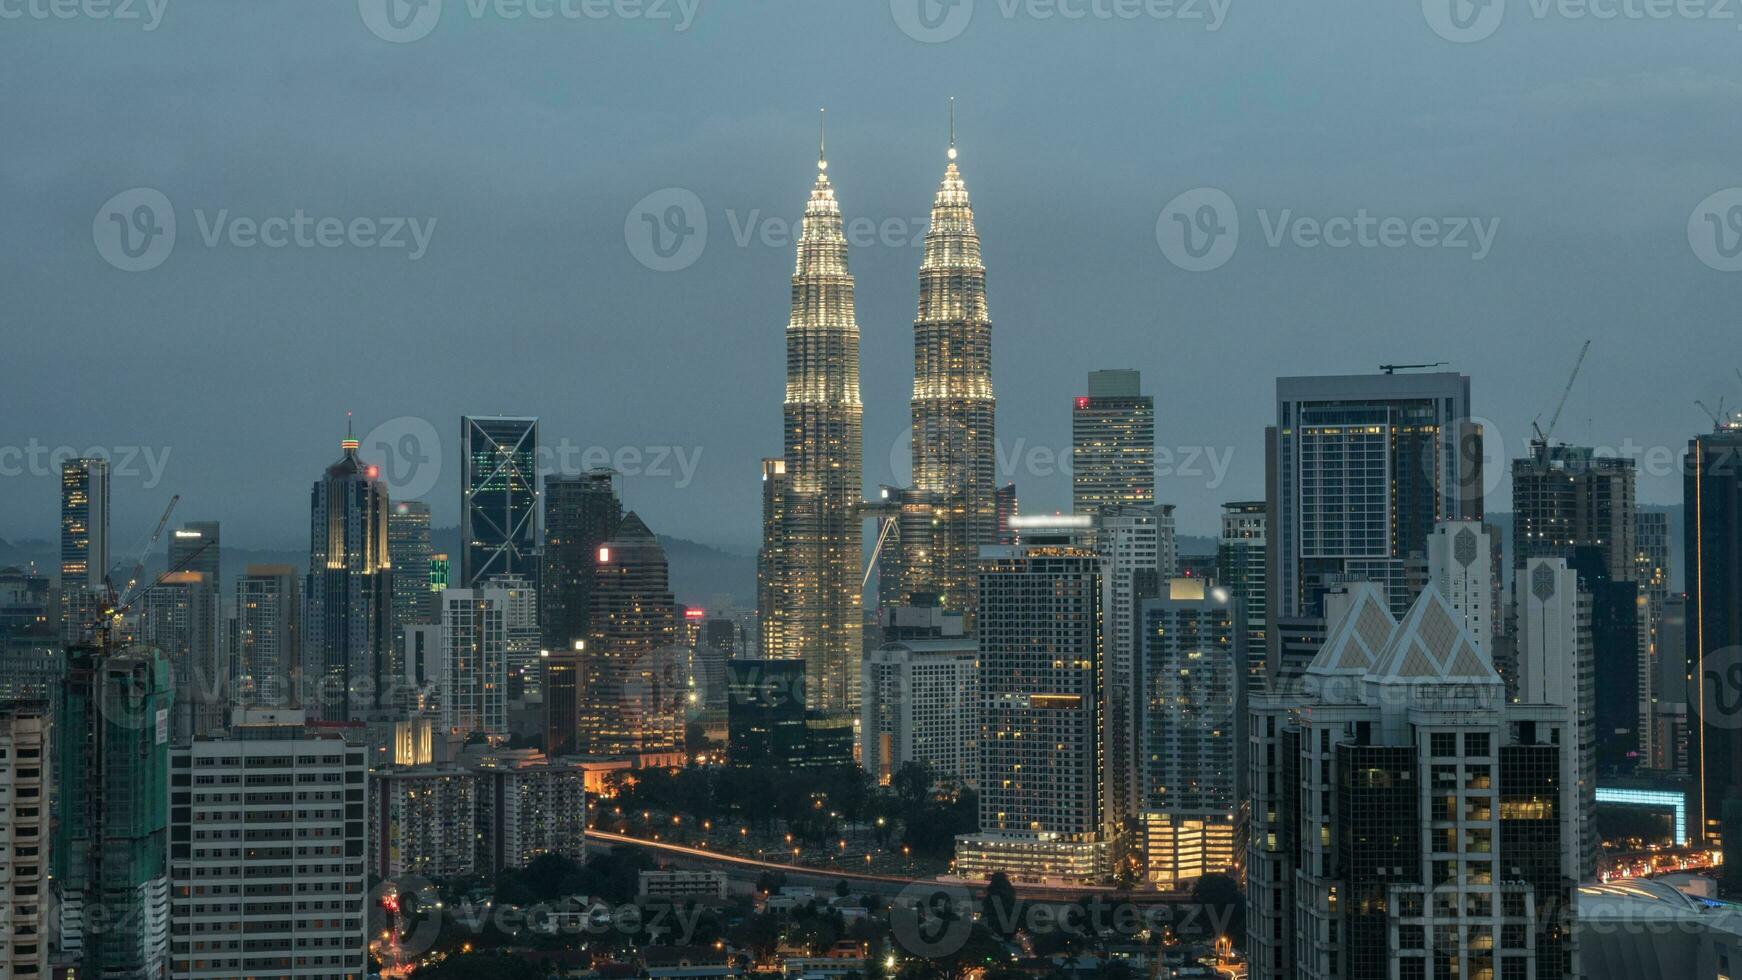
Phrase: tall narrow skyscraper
[84,522]
[632,692]
[499,498]
[1712,496]
[408,546]
[347,608]
[813,548]
[580,512]
[1043,812]
[955,460]
[268,648]
[1242,562]
[1113,444]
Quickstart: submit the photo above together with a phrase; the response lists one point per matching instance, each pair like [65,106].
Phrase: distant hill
[700,574]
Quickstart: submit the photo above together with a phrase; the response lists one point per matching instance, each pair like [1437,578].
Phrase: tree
[1224,904]
[998,911]
[842,890]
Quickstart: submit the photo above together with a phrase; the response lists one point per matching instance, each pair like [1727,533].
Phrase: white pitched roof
[1432,644]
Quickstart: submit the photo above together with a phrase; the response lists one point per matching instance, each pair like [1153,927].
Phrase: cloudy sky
[414,213]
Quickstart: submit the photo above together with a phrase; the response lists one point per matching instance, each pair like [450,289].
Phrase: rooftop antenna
[952,127]
[822,139]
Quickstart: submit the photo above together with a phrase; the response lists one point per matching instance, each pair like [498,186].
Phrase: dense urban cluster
[1380,729]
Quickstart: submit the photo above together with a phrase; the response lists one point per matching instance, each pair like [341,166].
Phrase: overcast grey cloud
[522,144]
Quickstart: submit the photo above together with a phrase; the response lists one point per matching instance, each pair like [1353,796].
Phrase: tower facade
[499,505]
[408,545]
[632,692]
[580,512]
[955,459]
[1192,657]
[810,573]
[1362,468]
[84,522]
[268,645]
[1043,810]
[1712,496]
[1242,566]
[1113,444]
[348,659]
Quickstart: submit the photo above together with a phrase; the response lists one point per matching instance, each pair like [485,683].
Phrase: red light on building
[373,471]
[1082,402]
[694,613]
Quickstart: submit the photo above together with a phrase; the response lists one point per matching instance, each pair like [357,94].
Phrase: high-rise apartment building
[473,663]
[1242,558]
[1651,572]
[26,779]
[1361,468]
[111,826]
[423,821]
[1192,690]
[917,708]
[1557,667]
[1566,497]
[775,598]
[1043,811]
[812,549]
[180,617]
[267,651]
[1135,565]
[580,512]
[84,523]
[1112,444]
[347,655]
[955,459]
[1406,821]
[267,853]
[632,690]
[527,806]
[498,498]
[409,550]
[1712,499]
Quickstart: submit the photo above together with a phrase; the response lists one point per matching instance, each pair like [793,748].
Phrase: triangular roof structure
[1431,644]
[1359,638]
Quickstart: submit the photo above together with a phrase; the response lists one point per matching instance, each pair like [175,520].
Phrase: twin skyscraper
[810,572]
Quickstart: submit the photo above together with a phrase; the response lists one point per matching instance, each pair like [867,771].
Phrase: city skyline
[1581,240]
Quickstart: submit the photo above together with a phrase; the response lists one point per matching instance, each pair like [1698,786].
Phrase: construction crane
[1394,368]
[1718,418]
[139,563]
[116,607]
[1542,437]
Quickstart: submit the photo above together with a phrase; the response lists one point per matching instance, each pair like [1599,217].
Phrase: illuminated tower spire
[812,552]
[954,460]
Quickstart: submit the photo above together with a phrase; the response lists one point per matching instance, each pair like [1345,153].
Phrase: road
[743,868]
